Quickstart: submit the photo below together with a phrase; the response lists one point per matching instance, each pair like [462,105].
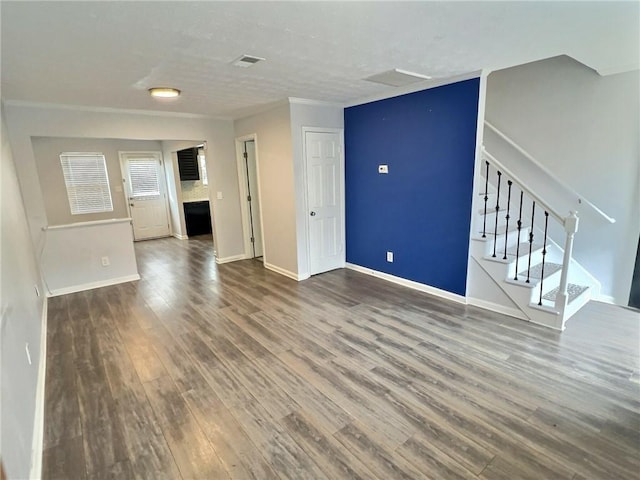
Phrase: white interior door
[253,199]
[146,194]
[325,201]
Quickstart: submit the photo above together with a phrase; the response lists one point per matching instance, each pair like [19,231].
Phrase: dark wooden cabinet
[197,217]
[188,164]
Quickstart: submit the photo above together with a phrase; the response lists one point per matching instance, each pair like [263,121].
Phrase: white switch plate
[383,168]
[105,261]
[390,257]
[219,196]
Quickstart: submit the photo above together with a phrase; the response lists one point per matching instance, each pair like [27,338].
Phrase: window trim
[87,203]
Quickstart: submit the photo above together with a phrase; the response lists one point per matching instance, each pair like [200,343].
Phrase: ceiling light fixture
[164,92]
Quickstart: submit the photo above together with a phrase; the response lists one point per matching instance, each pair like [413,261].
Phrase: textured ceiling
[106,54]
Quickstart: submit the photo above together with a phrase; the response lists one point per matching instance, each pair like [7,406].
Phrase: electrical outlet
[105,261]
[383,168]
[390,257]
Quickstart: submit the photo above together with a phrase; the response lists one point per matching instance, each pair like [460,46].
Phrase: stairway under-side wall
[516,241]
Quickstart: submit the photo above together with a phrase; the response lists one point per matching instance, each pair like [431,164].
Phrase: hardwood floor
[235,372]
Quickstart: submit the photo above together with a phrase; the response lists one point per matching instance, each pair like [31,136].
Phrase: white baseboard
[37,444]
[409,283]
[282,271]
[605,299]
[180,237]
[92,285]
[234,258]
[496,307]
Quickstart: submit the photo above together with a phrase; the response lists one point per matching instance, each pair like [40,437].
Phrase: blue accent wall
[421,209]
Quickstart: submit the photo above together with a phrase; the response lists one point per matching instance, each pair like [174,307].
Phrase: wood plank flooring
[200,371]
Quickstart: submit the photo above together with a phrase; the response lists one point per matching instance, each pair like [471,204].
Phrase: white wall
[72,257]
[46,151]
[305,114]
[25,121]
[21,323]
[276,186]
[584,128]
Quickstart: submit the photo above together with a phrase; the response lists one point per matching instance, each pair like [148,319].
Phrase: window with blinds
[144,178]
[87,181]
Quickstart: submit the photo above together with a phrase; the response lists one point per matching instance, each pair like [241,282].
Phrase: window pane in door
[143,175]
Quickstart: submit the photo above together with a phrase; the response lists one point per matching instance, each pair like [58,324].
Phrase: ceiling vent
[397,78]
[246,61]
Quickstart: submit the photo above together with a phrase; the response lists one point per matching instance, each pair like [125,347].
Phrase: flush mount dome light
[164,92]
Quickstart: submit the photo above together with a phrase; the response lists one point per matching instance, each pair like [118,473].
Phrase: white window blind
[85,175]
[203,168]
[144,178]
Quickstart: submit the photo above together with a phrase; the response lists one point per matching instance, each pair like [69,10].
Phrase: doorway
[324,165]
[250,195]
[146,197]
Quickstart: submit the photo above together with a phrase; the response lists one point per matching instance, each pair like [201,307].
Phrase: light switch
[383,168]
[219,196]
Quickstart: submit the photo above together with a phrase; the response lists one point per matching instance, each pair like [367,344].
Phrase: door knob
[131,205]
[313,214]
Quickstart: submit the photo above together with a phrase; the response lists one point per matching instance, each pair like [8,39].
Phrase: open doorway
[250,195]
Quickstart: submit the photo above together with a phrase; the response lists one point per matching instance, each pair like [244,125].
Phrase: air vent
[246,61]
[397,78]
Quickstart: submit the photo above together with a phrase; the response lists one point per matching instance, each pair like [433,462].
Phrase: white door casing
[145,190]
[253,197]
[250,216]
[325,200]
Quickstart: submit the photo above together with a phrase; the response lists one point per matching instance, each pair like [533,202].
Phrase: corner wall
[21,323]
[421,209]
[584,128]
[276,186]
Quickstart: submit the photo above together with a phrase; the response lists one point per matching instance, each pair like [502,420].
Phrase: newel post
[570,228]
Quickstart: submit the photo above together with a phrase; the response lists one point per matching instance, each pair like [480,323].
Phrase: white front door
[325,201]
[143,177]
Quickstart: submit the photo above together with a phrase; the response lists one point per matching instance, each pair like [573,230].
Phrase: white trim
[343,205]
[92,285]
[233,258]
[605,299]
[615,69]
[87,108]
[496,307]
[87,224]
[284,272]
[478,186]
[180,236]
[409,283]
[242,189]
[391,92]
[37,444]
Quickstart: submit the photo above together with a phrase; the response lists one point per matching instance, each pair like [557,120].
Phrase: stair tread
[502,229]
[573,290]
[536,270]
[524,249]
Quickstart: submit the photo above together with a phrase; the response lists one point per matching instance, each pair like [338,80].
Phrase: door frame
[242,186]
[122,155]
[340,132]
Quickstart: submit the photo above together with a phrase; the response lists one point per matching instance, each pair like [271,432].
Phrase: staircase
[513,242]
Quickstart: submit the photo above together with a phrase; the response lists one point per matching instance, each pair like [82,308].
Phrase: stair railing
[569,223]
